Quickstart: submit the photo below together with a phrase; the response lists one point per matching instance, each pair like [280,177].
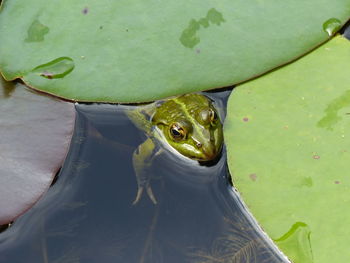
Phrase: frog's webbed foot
[142,159]
[149,193]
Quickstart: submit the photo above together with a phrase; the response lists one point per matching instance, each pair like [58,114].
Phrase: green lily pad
[35,134]
[288,141]
[123,51]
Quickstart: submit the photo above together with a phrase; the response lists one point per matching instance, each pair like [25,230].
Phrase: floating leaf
[35,134]
[137,51]
[288,142]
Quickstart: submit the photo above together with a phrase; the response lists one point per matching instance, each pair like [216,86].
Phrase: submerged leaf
[35,134]
[238,244]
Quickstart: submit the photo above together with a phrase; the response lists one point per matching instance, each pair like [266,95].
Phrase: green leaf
[35,134]
[133,51]
[288,141]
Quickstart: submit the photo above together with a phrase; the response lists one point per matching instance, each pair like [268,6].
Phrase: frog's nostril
[197,142]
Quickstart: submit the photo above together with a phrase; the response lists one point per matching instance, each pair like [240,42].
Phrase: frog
[188,125]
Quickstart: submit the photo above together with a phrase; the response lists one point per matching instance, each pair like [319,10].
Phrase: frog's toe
[151,195]
[138,195]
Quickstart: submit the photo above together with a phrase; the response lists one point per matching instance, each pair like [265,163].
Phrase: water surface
[87,215]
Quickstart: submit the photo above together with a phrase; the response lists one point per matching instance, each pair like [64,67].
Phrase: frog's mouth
[207,155]
[212,161]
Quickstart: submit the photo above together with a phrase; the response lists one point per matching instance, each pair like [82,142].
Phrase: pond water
[87,215]
[346,30]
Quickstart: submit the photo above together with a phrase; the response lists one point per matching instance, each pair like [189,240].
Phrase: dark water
[87,215]
[346,30]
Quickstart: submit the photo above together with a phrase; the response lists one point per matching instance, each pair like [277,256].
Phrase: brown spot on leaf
[253,177]
[85,10]
[316,157]
[336,182]
[47,74]
[245,119]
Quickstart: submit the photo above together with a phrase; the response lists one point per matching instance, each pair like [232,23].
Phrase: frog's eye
[213,116]
[177,132]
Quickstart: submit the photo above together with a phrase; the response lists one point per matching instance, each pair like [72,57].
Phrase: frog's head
[191,126]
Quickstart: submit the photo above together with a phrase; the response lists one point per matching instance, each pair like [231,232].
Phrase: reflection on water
[87,215]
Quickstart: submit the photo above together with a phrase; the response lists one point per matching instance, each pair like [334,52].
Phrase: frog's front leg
[142,160]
